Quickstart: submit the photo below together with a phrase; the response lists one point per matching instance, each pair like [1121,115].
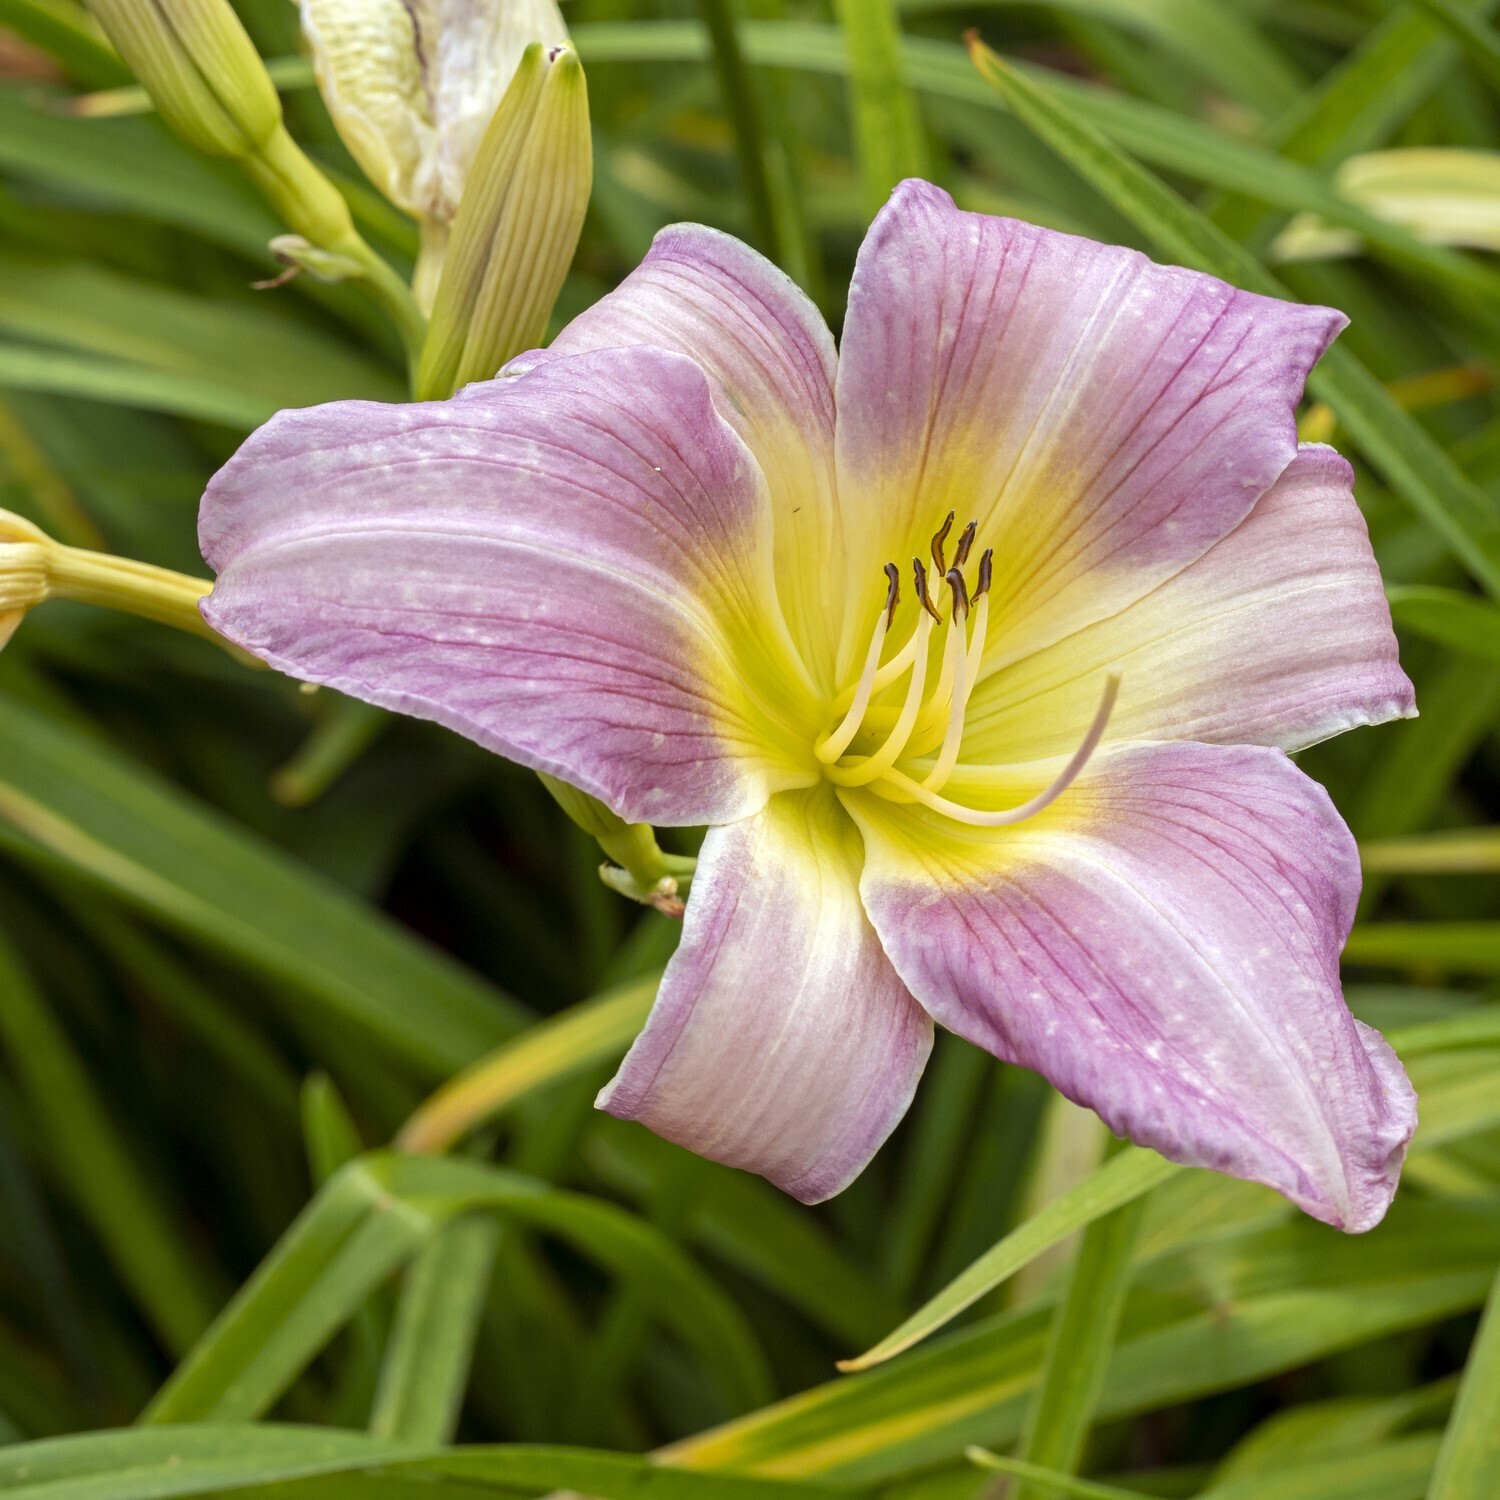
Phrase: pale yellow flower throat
[935,722]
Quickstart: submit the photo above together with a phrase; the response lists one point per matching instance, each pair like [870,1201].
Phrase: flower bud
[517,227]
[23,570]
[200,68]
[35,568]
[412,86]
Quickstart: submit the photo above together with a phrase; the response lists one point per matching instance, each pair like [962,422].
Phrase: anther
[986,568]
[892,593]
[965,542]
[938,540]
[955,581]
[920,573]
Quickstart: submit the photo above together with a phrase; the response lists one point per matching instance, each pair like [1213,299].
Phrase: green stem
[1079,1345]
[887,128]
[640,869]
[311,206]
[744,116]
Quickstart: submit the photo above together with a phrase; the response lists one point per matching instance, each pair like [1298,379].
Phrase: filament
[880,763]
[966,673]
[977,818]
[829,749]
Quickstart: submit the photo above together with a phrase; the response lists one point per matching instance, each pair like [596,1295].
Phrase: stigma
[923,744]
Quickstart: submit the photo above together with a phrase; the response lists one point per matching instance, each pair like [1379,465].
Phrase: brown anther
[920,573]
[955,581]
[892,593]
[986,567]
[937,544]
[965,542]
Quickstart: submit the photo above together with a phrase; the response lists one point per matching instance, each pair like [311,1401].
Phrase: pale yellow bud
[517,228]
[200,68]
[34,568]
[412,87]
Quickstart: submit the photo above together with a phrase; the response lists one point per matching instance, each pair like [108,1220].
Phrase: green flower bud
[200,68]
[517,227]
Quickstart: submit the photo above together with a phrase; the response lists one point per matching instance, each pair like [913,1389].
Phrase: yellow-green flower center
[906,752]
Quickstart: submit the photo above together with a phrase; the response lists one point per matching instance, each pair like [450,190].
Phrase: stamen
[903,658]
[938,707]
[965,542]
[920,573]
[833,746]
[986,571]
[975,818]
[955,581]
[967,674]
[937,544]
[880,763]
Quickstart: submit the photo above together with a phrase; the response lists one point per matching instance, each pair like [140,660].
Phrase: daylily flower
[411,88]
[979,644]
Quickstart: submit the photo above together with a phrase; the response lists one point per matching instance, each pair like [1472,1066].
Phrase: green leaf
[1047,1481]
[754,1228]
[1215,1315]
[1396,1470]
[579,1038]
[278,360]
[1122,1179]
[1080,1343]
[371,1218]
[1469,1460]
[59,31]
[427,1362]
[1218,42]
[1459,621]
[132,165]
[157,1463]
[146,1241]
[192,870]
[152,1464]
[1360,102]
[1472,33]
[1462,947]
[97,379]
[1452,851]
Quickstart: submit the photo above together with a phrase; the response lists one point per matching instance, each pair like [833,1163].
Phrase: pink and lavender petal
[770,361]
[1105,419]
[781,1040]
[1278,635]
[1163,945]
[572,568]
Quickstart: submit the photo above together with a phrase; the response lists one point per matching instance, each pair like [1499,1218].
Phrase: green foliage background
[245,931]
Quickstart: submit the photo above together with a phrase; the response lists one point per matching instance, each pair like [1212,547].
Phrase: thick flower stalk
[979,643]
[412,89]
